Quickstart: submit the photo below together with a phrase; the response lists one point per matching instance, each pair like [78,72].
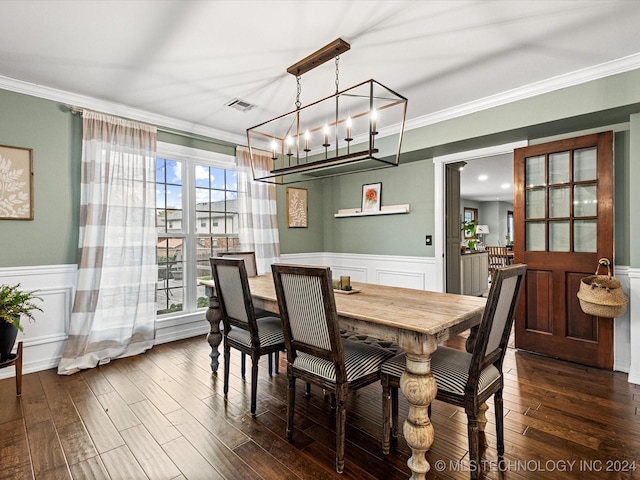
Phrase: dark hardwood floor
[162,415]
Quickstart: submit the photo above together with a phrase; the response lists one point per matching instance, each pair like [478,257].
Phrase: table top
[420,311]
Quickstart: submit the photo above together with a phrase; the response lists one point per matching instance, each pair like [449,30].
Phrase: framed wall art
[16,183]
[297,207]
[371,194]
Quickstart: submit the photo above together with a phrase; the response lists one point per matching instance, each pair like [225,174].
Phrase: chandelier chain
[299,89]
[337,73]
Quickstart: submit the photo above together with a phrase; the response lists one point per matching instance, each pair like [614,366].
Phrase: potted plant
[14,303]
[469,228]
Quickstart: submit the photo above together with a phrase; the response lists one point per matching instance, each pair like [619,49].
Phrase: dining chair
[316,353]
[252,271]
[497,258]
[249,260]
[242,331]
[466,379]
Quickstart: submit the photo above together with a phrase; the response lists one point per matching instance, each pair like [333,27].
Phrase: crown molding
[119,110]
[614,67]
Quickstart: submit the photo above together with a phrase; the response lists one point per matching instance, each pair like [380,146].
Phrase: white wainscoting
[633,327]
[45,338]
[395,271]
[621,332]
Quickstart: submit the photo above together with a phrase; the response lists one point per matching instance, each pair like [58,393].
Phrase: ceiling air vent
[240,105]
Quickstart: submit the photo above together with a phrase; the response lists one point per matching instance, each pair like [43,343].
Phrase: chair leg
[386,415]
[497,400]
[19,370]
[276,357]
[394,412]
[474,446]
[333,401]
[270,356]
[341,419]
[227,363]
[307,389]
[254,382]
[291,398]
[243,365]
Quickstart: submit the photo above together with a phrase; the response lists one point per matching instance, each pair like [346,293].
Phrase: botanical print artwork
[16,188]
[297,207]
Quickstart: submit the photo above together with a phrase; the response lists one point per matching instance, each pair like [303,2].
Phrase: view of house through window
[196,216]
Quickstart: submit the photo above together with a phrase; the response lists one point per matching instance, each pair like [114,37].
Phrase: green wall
[55,135]
[402,234]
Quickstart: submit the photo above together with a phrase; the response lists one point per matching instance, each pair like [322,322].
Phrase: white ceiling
[498,184]
[180,62]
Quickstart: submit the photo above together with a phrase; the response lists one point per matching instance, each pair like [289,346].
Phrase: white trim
[83,101]
[634,325]
[439,197]
[178,152]
[613,67]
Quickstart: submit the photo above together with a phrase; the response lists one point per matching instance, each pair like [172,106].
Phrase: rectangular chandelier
[354,130]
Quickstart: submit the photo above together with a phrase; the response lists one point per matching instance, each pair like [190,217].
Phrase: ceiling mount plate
[319,57]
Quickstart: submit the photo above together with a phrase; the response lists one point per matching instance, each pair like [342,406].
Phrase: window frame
[189,157]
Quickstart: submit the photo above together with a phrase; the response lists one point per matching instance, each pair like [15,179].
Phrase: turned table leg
[419,388]
[214,337]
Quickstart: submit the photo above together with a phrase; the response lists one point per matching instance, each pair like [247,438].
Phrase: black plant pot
[8,334]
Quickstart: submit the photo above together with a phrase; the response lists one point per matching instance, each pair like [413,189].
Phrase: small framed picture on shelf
[371,193]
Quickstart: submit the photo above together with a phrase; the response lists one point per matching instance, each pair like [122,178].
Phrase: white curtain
[114,308]
[257,210]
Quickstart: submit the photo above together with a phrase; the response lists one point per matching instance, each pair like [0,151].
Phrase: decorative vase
[8,335]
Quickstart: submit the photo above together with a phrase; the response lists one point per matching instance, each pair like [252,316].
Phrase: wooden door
[452,227]
[563,212]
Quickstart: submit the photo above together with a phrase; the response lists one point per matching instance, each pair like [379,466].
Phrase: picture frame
[16,183]
[297,208]
[371,196]
[470,215]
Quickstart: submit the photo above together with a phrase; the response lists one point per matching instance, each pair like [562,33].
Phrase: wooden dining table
[417,320]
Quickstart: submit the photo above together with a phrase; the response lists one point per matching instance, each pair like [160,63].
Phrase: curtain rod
[196,136]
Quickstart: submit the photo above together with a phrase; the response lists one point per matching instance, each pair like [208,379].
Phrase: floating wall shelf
[386,210]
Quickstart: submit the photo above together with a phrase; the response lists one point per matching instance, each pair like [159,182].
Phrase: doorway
[441,199]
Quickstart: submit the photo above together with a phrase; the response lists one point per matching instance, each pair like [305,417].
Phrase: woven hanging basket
[602,295]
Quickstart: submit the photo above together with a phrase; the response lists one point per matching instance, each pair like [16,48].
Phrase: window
[196,215]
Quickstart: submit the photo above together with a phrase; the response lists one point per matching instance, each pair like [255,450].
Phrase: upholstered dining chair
[252,270]
[466,379]
[316,353]
[249,260]
[242,331]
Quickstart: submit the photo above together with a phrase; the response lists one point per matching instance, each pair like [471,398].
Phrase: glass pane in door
[584,164]
[559,202]
[559,168]
[585,203]
[534,171]
[535,236]
[535,203]
[559,240]
[585,236]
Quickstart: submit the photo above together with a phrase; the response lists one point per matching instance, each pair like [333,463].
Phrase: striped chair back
[308,312]
[249,260]
[232,289]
